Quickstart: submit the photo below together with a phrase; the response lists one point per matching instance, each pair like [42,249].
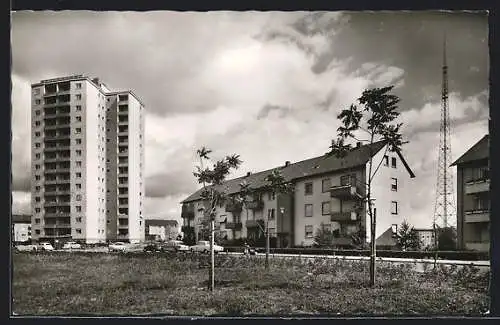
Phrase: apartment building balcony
[122,132]
[122,121]
[344,216]
[56,148]
[56,126]
[234,225]
[122,226]
[253,223]
[123,153]
[256,205]
[57,159]
[58,137]
[59,181]
[233,207]
[122,195]
[122,163]
[475,216]
[57,192]
[348,191]
[49,204]
[56,115]
[477,186]
[57,170]
[483,246]
[57,225]
[122,205]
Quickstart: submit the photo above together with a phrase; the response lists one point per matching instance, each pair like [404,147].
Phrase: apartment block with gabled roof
[328,191]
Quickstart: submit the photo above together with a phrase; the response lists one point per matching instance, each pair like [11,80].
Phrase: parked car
[72,245]
[174,246]
[45,246]
[152,248]
[203,246]
[26,248]
[117,247]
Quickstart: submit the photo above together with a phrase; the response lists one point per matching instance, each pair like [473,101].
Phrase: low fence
[446,255]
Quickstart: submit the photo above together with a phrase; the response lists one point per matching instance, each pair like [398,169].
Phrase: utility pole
[373,246]
[212,259]
[267,240]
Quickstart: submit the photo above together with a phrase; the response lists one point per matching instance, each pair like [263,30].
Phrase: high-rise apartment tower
[79,144]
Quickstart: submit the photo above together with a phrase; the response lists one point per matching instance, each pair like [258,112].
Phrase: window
[394,184]
[37,210]
[37,112]
[37,166]
[37,231]
[78,164]
[37,123]
[345,180]
[393,162]
[309,231]
[394,207]
[78,231]
[78,118]
[78,130]
[78,108]
[37,145]
[308,210]
[78,208]
[270,213]
[37,101]
[325,185]
[37,188]
[79,85]
[386,160]
[36,91]
[78,152]
[272,196]
[37,199]
[37,221]
[394,228]
[37,177]
[78,175]
[78,197]
[79,186]
[78,141]
[325,208]
[78,97]
[308,188]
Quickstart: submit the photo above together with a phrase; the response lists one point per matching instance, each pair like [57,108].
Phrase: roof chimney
[249,173]
[287,163]
[96,81]
[358,144]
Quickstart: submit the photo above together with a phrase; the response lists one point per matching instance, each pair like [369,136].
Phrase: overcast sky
[267,86]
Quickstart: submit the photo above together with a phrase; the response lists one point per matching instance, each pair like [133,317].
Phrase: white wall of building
[384,195]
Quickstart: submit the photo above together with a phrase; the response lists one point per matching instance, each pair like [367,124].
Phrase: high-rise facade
[72,196]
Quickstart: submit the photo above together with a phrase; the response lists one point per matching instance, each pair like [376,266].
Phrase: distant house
[160,229]
[426,237]
[21,228]
[388,240]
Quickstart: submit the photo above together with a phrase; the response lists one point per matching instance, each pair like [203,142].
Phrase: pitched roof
[478,151]
[386,238]
[306,168]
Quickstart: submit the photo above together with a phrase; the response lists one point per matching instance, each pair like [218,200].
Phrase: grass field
[105,284]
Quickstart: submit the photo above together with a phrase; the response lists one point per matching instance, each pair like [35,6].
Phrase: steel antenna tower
[444,208]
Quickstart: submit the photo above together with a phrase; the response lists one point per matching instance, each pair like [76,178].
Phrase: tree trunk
[372,247]
[211,276]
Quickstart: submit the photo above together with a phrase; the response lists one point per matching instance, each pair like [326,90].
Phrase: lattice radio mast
[444,208]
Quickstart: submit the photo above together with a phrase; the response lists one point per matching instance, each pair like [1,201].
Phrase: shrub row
[448,255]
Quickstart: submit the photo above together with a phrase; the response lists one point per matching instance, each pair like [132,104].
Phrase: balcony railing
[256,205]
[234,225]
[475,216]
[56,203]
[483,246]
[347,191]
[233,207]
[57,225]
[344,216]
[477,186]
